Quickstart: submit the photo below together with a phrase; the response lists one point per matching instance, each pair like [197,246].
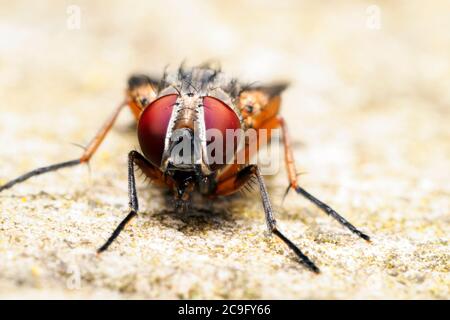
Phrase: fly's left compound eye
[220,116]
[152,127]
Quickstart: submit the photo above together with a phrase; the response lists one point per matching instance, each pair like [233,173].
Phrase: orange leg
[288,155]
[235,182]
[101,134]
[292,175]
[247,153]
[90,150]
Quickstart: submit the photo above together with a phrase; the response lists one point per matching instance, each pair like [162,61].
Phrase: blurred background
[368,110]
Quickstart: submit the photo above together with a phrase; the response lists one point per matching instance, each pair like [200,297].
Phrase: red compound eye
[152,127]
[221,117]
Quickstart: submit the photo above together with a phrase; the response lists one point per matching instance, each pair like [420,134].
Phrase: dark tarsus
[133,199]
[271,224]
[328,210]
[39,171]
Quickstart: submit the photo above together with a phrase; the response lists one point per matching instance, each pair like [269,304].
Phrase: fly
[175,116]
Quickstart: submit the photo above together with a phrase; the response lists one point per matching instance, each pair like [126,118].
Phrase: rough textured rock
[368,111]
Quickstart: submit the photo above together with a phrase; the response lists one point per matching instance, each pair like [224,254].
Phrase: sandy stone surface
[369,114]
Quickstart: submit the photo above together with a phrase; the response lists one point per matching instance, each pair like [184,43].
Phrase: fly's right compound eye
[220,117]
[152,127]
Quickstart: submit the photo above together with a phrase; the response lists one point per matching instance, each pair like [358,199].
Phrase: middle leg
[292,175]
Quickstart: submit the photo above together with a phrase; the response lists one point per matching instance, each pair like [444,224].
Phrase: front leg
[133,202]
[134,158]
[272,225]
[244,176]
